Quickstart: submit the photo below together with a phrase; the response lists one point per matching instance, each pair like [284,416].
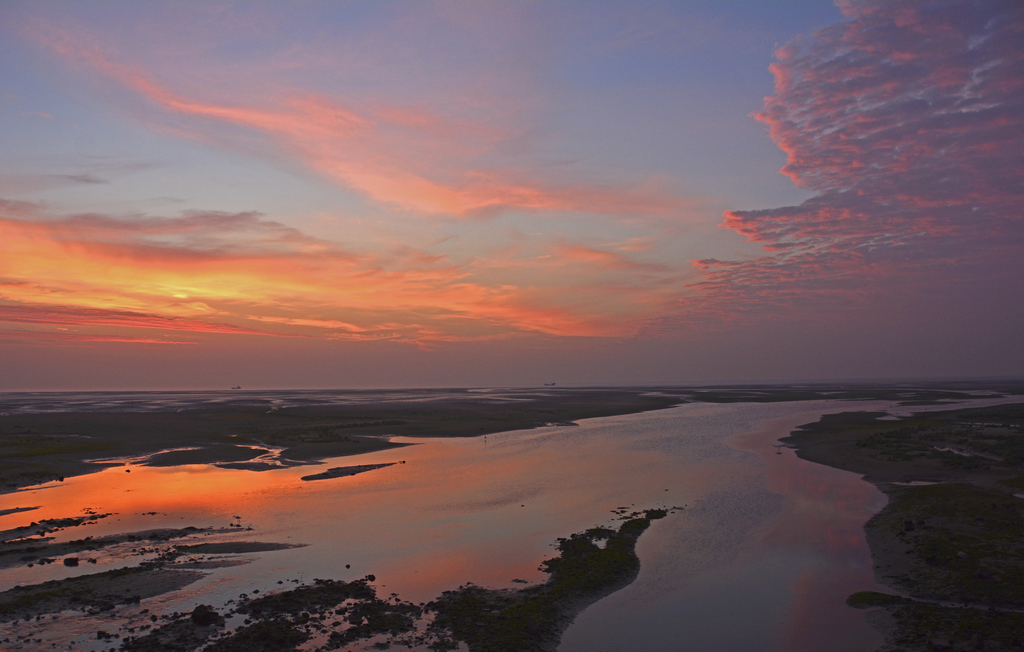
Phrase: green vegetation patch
[95,593]
[868,599]
[33,445]
[533,618]
[922,626]
[28,457]
[955,547]
[1013,483]
[179,634]
[279,635]
[962,445]
[961,542]
[353,609]
[983,446]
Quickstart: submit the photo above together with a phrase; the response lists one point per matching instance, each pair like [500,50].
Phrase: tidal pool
[762,557]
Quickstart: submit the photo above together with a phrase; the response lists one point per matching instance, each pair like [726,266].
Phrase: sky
[446,194]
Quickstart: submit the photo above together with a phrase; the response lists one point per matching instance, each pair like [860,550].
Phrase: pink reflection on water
[763,558]
[826,509]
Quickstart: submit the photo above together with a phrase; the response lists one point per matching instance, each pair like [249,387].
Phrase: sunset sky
[398,194]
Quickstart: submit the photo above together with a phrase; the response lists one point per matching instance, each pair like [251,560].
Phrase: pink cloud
[907,120]
[409,157]
[603,259]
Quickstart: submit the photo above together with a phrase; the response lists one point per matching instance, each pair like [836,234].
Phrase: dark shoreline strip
[345,471]
[531,619]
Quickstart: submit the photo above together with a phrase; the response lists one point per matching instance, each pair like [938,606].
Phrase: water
[762,557]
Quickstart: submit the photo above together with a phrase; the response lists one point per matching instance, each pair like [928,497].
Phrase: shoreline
[496,620]
[48,446]
[264,430]
[314,428]
[947,545]
[168,562]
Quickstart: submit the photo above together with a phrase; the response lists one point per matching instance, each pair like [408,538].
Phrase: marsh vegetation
[950,543]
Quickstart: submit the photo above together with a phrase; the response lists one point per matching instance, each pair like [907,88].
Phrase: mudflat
[42,447]
[249,430]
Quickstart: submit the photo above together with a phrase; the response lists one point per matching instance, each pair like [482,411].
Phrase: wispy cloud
[410,157]
[604,259]
[82,173]
[48,338]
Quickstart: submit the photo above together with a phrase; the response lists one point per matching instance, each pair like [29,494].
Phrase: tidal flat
[440,540]
[43,438]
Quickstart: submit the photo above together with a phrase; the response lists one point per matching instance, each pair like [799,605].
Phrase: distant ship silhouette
[549,384]
[236,387]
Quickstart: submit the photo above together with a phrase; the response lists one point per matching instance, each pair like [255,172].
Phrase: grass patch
[962,542]
[922,626]
[868,599]
[489,620]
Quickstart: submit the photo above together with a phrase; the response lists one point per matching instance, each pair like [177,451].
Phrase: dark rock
[71,561]
[204,616]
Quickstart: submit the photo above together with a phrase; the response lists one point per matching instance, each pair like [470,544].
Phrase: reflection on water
[762,558]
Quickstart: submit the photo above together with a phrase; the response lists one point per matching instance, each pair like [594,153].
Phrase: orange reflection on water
[480,510]
[767,532]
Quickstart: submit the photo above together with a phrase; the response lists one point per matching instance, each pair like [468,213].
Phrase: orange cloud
[42,314]
[51,337]
[240,274]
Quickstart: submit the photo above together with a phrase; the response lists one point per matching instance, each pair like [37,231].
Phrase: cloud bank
[907,121]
